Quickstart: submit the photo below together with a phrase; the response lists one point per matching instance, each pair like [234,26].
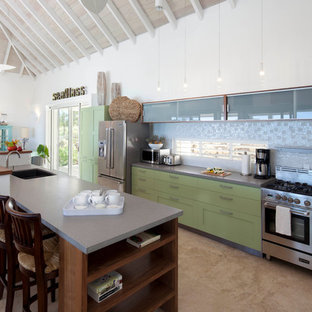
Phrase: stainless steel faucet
[10,153]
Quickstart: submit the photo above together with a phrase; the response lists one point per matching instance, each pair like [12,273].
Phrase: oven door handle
[268,205]
[305,214]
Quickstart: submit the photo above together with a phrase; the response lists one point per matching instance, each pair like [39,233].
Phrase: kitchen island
[91,246]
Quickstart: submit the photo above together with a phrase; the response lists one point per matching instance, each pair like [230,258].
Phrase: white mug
[96,199]
[112,198]
[81,199]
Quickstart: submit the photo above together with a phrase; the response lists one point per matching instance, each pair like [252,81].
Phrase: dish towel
[283,220]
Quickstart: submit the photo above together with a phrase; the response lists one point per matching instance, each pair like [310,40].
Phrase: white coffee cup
[81,199]
[112,198]
[96,199]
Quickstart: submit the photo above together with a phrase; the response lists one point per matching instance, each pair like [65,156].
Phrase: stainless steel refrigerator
[120,145]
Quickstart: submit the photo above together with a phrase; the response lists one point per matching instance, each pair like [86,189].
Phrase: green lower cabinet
[190,212]
[236,227]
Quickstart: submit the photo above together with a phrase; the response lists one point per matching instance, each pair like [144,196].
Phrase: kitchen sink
[32,174]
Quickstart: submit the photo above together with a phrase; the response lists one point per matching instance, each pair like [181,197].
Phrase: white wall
[16,100]
[287,56]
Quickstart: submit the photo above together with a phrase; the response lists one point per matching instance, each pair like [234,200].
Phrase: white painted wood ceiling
[39,35]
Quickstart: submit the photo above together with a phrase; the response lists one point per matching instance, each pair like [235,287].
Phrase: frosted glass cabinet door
[261,106]
[160,112]
[204,109]
[303,103]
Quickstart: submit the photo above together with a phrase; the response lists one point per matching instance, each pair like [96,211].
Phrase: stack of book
[105,286]
[143,239]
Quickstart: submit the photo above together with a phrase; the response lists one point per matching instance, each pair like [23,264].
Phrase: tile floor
[217,278]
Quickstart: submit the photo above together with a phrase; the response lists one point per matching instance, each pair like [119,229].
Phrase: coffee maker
[263,170]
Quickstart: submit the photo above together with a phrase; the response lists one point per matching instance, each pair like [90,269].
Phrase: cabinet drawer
[142,173]
[142,182]
[190,211]
[230,189]
[144,193]
[236,227]
[177,190]
[175,178]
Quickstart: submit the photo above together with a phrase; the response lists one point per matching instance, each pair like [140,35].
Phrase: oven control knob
[297,201]
[307,203]
[284,197]
[278,197]
[290,200]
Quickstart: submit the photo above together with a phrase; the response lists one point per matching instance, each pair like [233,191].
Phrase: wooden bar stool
[8,261]
[37,258]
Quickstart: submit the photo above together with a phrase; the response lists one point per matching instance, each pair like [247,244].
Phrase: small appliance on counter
[172,160]
[263,170]
[245,170]
[154,156]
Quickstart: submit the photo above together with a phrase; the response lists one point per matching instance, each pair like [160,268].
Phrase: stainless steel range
[293,189]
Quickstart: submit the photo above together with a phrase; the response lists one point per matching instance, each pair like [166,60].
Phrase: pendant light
[4,67]
[261,72]
[185,85]
[219,79]
[95,6]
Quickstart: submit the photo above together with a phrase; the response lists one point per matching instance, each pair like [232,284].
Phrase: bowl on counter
[155,146]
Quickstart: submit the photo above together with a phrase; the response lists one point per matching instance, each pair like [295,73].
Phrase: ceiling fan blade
[95,6]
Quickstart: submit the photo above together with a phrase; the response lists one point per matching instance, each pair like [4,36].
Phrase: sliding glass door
[65,139]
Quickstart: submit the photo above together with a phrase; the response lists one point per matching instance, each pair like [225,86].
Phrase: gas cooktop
[287,186]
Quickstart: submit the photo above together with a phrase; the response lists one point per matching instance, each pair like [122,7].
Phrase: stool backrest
[3,200]
[21,226]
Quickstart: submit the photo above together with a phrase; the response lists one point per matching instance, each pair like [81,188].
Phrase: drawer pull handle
[174,199]
[225,198]
[141,190]
[141,179]
[174,187]
[228,213]
[226,187]
[142,171]
[173,177]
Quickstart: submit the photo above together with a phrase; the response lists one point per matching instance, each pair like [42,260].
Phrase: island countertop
[48,196]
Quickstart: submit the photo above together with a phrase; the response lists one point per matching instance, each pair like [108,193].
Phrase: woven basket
[123,108]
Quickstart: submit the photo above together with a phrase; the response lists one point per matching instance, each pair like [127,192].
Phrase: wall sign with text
[69,92]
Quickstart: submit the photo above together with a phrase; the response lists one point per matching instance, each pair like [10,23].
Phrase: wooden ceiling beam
[143,17]
[80,25]
[21,28]
[169,14]
[16,51]
[36,30]
[57,20]
[103,28]
[50,31]
[21,38]
[21,70]
[7,53]
[121,20]
[198,8]
[232,3]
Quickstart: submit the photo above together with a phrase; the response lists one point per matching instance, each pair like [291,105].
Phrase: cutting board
[217,174]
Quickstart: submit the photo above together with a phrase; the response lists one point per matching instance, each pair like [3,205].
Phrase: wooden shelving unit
[149,275]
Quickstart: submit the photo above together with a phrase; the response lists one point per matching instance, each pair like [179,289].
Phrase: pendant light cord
[261,31]
[219,73]
[185,63]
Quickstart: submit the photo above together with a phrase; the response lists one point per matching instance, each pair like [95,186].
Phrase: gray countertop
[49,195]
[235,177]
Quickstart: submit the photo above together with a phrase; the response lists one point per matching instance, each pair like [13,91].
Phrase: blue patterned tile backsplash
[276,134]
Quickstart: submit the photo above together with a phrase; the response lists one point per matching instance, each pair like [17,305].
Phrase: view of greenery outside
[75,134]
[63,138]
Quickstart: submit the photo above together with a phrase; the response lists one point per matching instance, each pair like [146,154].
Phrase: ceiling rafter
[198,8]
[169,14]
[121,20]
[28,56]
[103,28]
[48,29]
[31,66]
[80,25]
[57,20]
[37,31]
[20,37]
[22,70]
[16,51]
[7,53]
[143,17]
[232,3]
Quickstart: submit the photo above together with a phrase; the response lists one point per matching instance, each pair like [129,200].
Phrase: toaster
[172,160]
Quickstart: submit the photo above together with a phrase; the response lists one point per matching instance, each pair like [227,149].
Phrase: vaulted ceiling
[39,35]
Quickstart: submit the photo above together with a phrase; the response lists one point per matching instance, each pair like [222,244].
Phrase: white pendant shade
[95,6]
[25,133]
[6,67]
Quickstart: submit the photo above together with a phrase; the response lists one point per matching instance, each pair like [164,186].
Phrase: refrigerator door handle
[111,148]
[106,148]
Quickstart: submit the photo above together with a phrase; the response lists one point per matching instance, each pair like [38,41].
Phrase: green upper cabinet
[88,150]
[201,109]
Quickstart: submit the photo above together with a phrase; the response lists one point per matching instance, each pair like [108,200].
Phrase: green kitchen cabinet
[88,147]
[227,210]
